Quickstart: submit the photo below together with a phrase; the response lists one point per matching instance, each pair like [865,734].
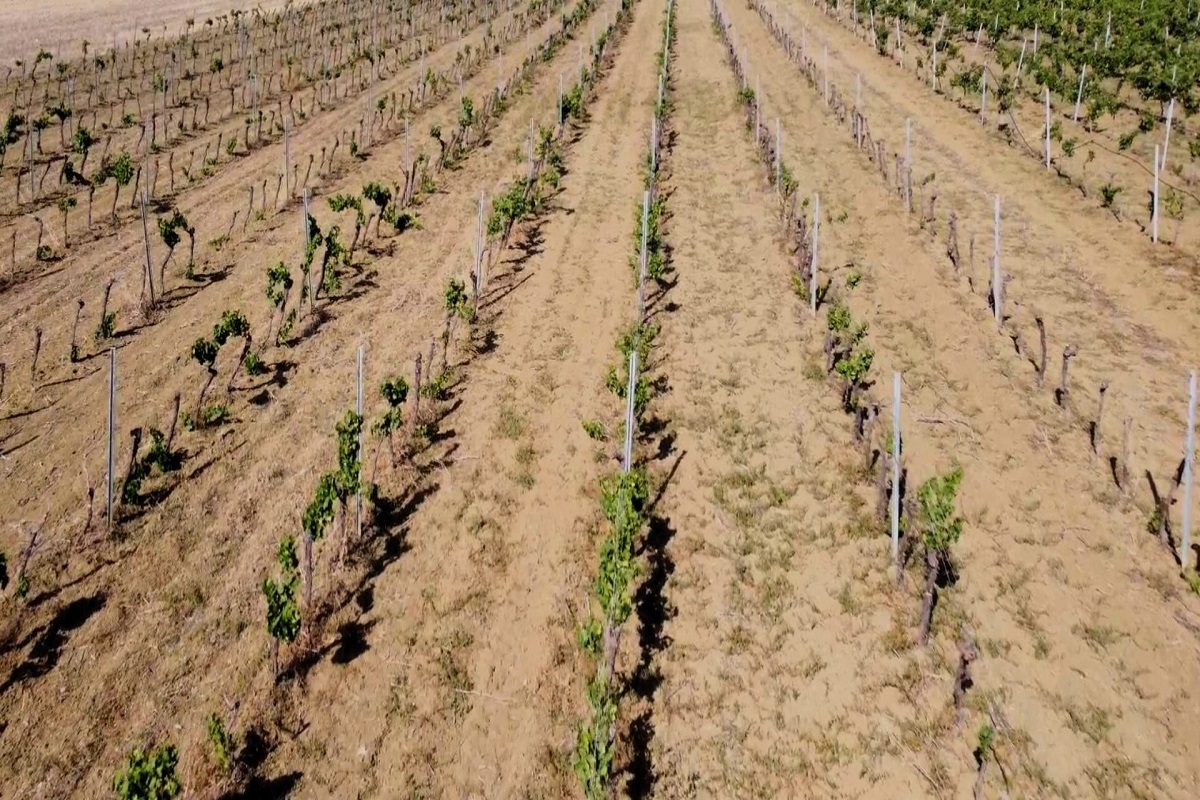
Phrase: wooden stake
[1041,326]
[1096,430]
[812,277]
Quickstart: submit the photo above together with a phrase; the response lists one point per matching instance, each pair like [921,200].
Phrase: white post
[996,286]
[896,470]
[1108,30]
[907,184]
[1079,94]
[933,72]
[631,389]
[287,159]
[653,148]
[112,427]
[1021,62]
[757,108]
[1167,137]
[1154,199]
[479,248]
[307,238]
[778,157]
[358,407]
[983,96]
[407,163]
[146,241]
[642,256]
[1185,556]
[1047,127]
[1035,39]
[812,278]
[825,76]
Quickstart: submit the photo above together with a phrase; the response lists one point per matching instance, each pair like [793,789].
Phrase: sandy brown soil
[770,653]
[794,661]
[60,26]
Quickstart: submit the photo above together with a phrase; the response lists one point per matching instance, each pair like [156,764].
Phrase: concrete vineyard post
[358,408]
[642,256]
[1167,136]
[307,238]
[1185,557]
[983,96]
[812,276]
[1079,94]
[1021,62]
[757,108]
[825,75]
[1047,131]
[907,162]
[895,504]
[653,149]
[778,158]
[1108,30]
[479,232]
[1035,39]
[997,293]
[1154,199]
[630,390]
[112,427]
[287,157]
[146,242]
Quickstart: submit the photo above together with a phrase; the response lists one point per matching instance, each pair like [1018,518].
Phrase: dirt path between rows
[792,656]
[474,634]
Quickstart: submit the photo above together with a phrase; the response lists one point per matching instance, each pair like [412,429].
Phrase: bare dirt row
[795,657]
[195,582]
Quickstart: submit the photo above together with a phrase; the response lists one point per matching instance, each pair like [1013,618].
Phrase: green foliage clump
[941,527]
[507,209]
[595,430]
[395,394]
[158,456]
[149,775]
[378,194]
[656,255]
[283,611]
[221,741]
[345,202]
[466,113]
[455,298]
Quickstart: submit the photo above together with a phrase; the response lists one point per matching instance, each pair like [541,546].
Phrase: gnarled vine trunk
[933,563]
